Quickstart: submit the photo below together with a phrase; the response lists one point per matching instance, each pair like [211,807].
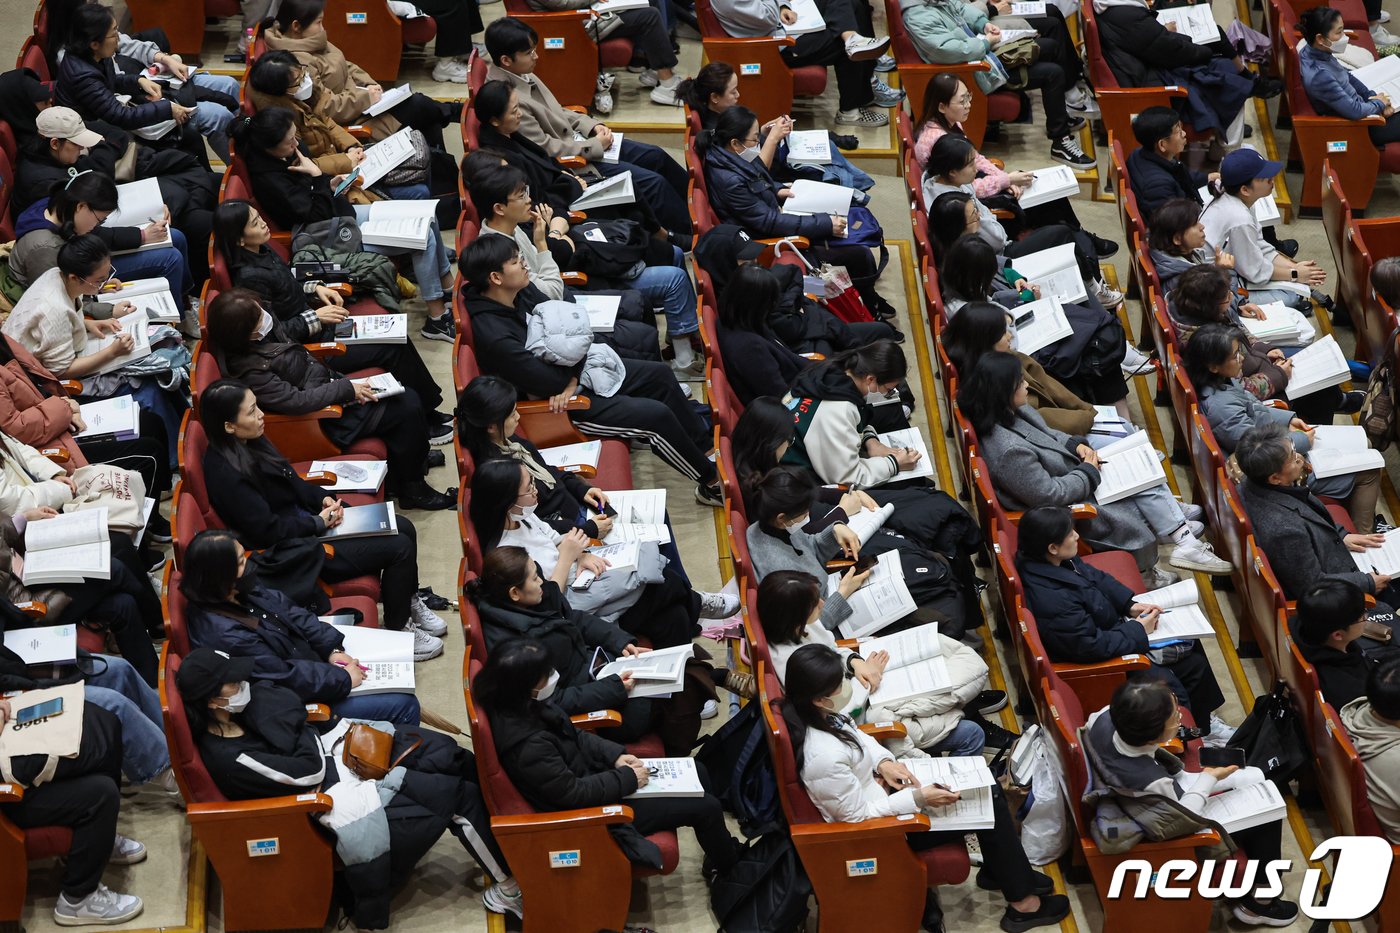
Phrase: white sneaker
[1156,578]
[710,710]
[1384,17]
[1107,295]
[1081,100]
[1192,512]
[665,96]
[862,116]
[1135,362]
[426,619]
[649,78]
[718,605]
[451,69]
[1382,36]
[974,848]
[425,646]
[127,851]
[101,906]
[498,900]
[860,48]
[1221,732]
[1195,554]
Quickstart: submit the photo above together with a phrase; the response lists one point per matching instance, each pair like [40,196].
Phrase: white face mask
[749,154]
[842,698]
[1338,46]
[303,90]
[525,511]
[547,691]
[264,326]
[1014,339]
[239,701]
[798,523]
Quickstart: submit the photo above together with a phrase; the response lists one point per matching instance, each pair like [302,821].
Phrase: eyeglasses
[523,195]
[532,491]
[112,274]
[965,100]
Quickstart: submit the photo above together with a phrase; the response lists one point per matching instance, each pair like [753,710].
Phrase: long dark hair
[732,124]
[763,427]
[97,191]
[1200,293]
[89,24]
[495,487]
[968,268]
[231,317]
[298,11]
[81,256]
[491,100]
[784,490]
[813,673]
[984,394]
[506,680]
[749,299]
[219,405]
[1041,527]
[940,90]
[501,569]
[1212,345]
[708,81]
[949,154]
[230,220]
[271,74]
[210,568]
[262,131]
[786,600]
[972,333]
[947,221]
[882,359]
[486,402]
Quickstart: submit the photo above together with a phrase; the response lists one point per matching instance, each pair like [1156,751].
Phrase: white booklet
[1384,559]
[1182,618]
[670,777]
[975,808]
[1281,324]
[614,152]
[909,437]
[1128,467]
[809,147]
[641,516]
[916,666]
[573,455]
[385,156]
[47,644]
[616,6]
[1382,76]
[139,204]
[1039,324]
[389,100]
[134,324]
[1196,22]
[657,673]
[110,419]
[809,18]
[388,655]
[607,193]
[1049,184]
[1316,367]
[1056,271]
[818,197]
[1028,8]
[1243,806]
[868,521]
[1342,448]
[373,328]
[385,385]
[602,311]
[399,223]
[883,598]
[622,556]
[149,295]
[67,548]
[353,475]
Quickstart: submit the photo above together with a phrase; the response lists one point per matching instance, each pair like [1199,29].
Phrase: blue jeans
[429,264]
[210,117]
[670,288]
[401,708]
[657,178]
[122,692]
[171,263]
[967,738]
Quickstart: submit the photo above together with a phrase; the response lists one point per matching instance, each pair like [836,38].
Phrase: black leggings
[126,605]
[424,114]
[1002,855]
[667,613]
[392,558]
[401,425]
[402,360]
[704,815]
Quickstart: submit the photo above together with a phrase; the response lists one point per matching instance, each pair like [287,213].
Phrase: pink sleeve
[930,134]
[992,181]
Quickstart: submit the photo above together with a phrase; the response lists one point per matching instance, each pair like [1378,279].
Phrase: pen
[360,666]
[116,286]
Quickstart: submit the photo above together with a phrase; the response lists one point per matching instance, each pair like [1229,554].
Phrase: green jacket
[936,29]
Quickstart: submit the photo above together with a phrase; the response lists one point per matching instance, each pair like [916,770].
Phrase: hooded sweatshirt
[1378,745]
[830,416]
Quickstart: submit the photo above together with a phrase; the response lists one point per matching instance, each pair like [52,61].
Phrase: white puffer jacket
[841,779]
[930,718]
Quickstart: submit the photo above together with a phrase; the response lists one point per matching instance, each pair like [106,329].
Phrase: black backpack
[766,891]
[608,249]
[737,759]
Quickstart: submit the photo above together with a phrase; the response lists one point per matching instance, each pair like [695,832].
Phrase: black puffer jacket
[556,766]
[1138,48]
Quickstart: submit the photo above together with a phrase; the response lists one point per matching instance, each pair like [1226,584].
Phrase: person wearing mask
[1330,623]
[1123,745]
[260,498]
[231,611]
[1332,89]
[852,778]
[255,742]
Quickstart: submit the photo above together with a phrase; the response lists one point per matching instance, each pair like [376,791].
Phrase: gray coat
[807,553]
[1032,464]
[1231,411]
[1296,532]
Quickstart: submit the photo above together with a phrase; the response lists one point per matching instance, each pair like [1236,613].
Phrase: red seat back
[739,547]
[177,615]
[7,181]
[797,805]
[196,786]
[497,789]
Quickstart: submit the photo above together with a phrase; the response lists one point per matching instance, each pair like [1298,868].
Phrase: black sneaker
[1053,908]
[712,495]
[1103,248]
[439,434]
[1075,123]
[439,328]
[848,143]
[997,737]
[435,458]
[1382,526]
[1265,88]
[989,701]
[1276,913]
[158,529]
[433,601]
[422,496]
[1352,402]
[1066,149]
[1289,248]
[1043,884]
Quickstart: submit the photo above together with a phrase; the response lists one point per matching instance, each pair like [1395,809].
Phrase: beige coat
[342,97]
[325,139]
[1061,408]
[48,323]
[545,122]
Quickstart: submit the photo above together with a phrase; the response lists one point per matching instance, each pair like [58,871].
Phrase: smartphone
[865,563]
[1222,757]
[39,711]
[345,328]
[345,185]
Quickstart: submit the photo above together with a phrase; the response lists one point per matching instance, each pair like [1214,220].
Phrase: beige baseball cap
[64,123]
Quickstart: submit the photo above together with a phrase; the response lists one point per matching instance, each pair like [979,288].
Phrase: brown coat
[342,82]
[325,139]
[1061,408]
[11,545]
[26,414]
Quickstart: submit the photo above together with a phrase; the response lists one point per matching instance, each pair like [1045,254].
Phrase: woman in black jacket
[1085,616]
[231,611]
[250,346]
[754,359]
[558,767]
[254,740]
[258,496]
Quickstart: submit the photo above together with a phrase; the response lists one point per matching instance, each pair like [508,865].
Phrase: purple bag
[1252,45]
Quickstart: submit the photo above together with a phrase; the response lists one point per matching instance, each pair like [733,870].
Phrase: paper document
[1028,8]
[1382,76]
[388,655]
[809,18]
[973,810]
[670,777]
[1128,467]
[385,156]
[1182,618]
[567,455]
[818,197]
[602,311]
[67,548]
[1197,22]
[809,147]
[914,680]
[1340,449]
[868,521]
[641,516]
[884,598]
[1040,324]
[117,418]
[614,152]
[616,6]
[47,644]
[399,223]
[909,437]
[149,295]
[906,648]
[1049,184]
[1384,559]
[607,193]
[1011,35]
[1281,325]
[1056,271]
[353,475]
[620,557]
[657,673]
[390,99]
[1317,367]
[385,385]
[1246,807]
[138,203]
[134,324]
[373,328]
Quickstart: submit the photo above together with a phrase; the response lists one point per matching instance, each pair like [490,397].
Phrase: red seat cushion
[1340,515]
[614,466]
[51,841]
[419,30]
[615,53]
[809,81]
[90,641]
[367,607]
[670,855]
[946,864]
[1003,106]
[1120,566]
[1390,157]
[366,586]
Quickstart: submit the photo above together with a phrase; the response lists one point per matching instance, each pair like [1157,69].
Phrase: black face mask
[248,582]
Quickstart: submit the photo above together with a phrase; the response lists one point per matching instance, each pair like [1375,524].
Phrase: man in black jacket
[1331,618]
[1156,171]
[647,407]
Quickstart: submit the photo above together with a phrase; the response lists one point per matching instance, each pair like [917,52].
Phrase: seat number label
[569,858]
[751,68]
[356,19]
[1337,145]
[260,847]
[555,43]
[855,868]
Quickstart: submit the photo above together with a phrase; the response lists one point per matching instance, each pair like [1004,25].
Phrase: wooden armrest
[560,819]
[320,414]
[1367,599]
[1003,214]
[1275,403]
[56,454]
[318,712]
[282,236]
[359,131]
[866,829]
[328,550]
[586,470]
[997,162]
[577,217]
[34,608]
[11,793]
[575,403]
[343,289]
[320,477]
[1077,509]
[597,719]
[839,564]
[885,729]
[571,161]
[314,802]
[852,643]
[72,386]
[576,108]
[325,349]
[1175,746]
[1129,662]
[575,278]
[814,356]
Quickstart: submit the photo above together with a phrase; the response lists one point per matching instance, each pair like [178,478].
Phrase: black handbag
[1272,737]
[766,890]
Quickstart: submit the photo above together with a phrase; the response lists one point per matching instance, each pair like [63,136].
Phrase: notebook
[388,655]
[1182,618]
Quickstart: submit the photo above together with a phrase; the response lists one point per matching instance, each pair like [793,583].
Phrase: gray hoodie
[1378,745]
[749,19]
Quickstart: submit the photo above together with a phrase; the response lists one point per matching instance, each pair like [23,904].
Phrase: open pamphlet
[364,521]
[1317,367]
[1281,325]
[385,385]
[67,548]
[385,156]
[909,437]
[1028,8]
[573,455]
[399,223]
[1197,22]
[614,152]
[149,295]
[602,311]
[868,521]
[809,18]
[620,557]
[373,328]
[658,673]
[617,6]
[1108,424]
[809,147]
[883,598]
[670,777]
[139,204]
[134,324]
[1056,271]
[1182,618]
[606,193]
[641,516]
[974,810]
[1128,467]
[1039,324]
[1384,559]
[47,644]
[818,197]
[1382,76]
[353,475]
[916,666]
[110,419]
[1049,184]
[1243,805]
[1342,448]
[388,655]
[390,99]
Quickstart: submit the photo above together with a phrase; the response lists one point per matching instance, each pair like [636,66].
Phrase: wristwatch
[1294,273]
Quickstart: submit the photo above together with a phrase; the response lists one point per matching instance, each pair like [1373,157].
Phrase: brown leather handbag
[367,751]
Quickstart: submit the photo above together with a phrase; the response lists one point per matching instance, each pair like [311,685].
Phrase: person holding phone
[1124,745]
[852,778]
